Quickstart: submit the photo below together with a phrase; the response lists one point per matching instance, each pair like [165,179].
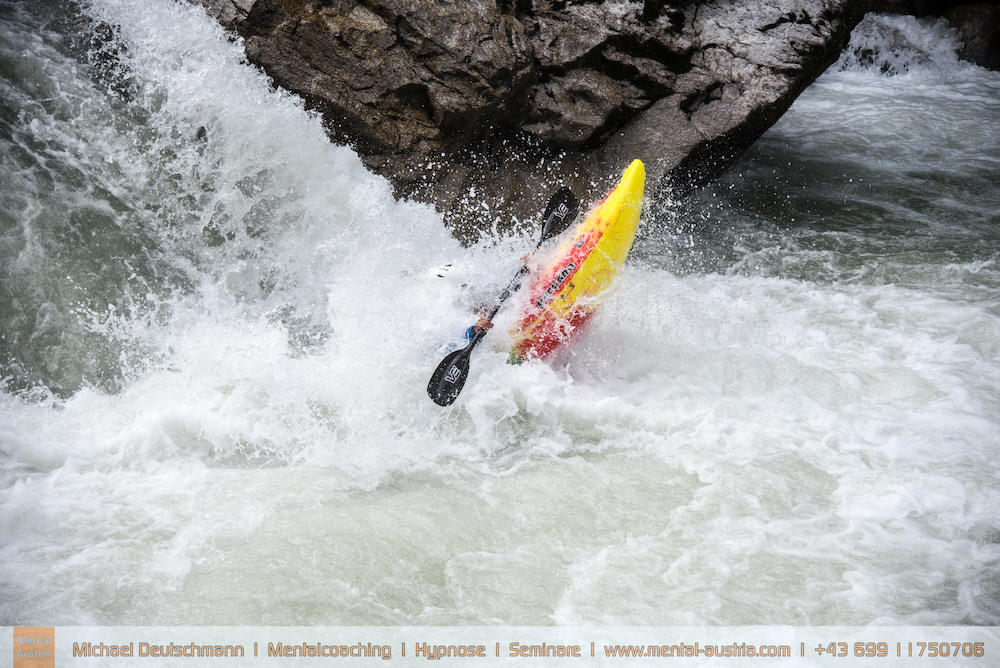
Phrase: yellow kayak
[584,272]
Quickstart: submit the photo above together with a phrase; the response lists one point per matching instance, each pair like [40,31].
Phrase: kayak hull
[584,273]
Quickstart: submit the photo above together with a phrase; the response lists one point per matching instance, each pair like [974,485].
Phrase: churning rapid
[217,330]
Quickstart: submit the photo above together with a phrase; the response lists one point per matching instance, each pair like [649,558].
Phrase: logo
[555,285]
[34,647]
[453,375]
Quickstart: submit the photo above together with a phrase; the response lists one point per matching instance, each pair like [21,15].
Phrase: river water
[217,330]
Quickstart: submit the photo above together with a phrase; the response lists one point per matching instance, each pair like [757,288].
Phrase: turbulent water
[216,329]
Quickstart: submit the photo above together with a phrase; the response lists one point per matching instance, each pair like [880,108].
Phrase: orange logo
[34,647]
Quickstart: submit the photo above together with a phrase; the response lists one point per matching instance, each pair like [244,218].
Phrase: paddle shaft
[511,288]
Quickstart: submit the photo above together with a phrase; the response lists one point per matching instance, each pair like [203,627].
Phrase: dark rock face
[979,28]
[462,102]
[393,76]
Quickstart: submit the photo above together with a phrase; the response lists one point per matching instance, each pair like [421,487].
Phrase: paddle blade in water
[449,378]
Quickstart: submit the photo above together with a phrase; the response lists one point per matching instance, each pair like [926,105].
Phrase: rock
[979,28]
[392,76]
[512,98]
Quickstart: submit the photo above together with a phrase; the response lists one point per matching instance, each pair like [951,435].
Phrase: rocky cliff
[496,102]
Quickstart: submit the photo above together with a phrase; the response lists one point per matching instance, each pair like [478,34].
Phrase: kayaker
[485,323]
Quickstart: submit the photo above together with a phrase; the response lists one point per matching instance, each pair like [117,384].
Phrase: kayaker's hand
[484,324]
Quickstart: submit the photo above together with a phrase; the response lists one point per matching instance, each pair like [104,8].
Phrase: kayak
[584,271]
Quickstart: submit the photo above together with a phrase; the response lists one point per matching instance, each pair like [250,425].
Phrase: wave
[893,44]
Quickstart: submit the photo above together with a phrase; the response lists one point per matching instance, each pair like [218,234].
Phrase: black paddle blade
[449,378]
[561,211]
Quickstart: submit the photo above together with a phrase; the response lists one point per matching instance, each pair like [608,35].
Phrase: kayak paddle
[449,377]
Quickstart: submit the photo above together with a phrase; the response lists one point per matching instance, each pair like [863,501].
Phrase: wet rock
[979,29]
[511,98]
[392,76]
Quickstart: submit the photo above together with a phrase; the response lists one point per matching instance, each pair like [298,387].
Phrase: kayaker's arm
[481,324]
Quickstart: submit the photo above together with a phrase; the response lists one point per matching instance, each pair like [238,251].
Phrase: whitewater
[216,330]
